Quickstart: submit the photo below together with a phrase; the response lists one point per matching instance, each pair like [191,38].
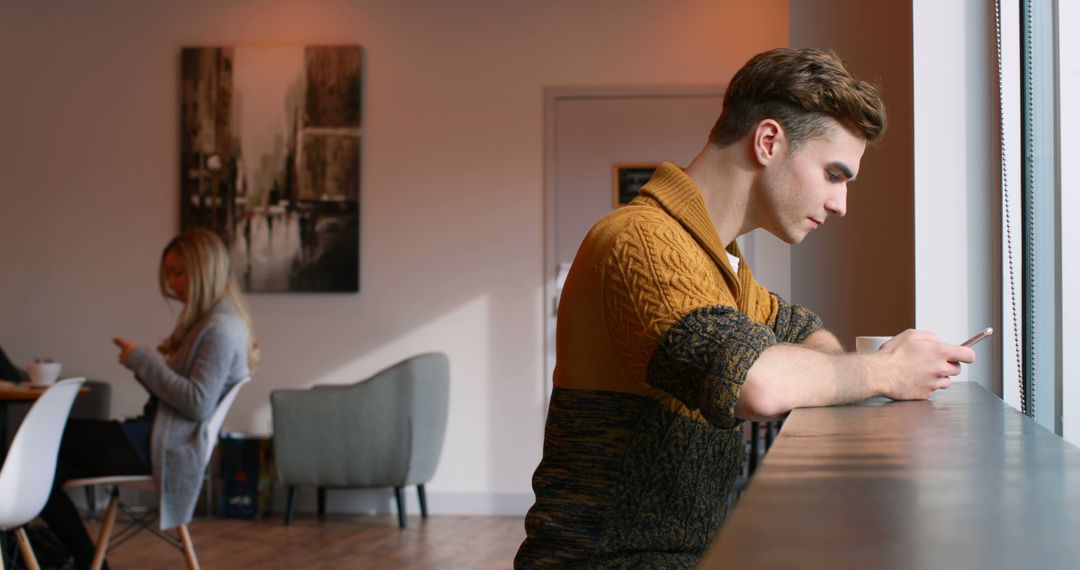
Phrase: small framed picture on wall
[627,178]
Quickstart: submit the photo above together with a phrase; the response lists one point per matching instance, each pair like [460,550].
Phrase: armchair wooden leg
[27,552]
[106,530]
[400,506]
[322,502]
[189,548]
[290,507]
[423,500]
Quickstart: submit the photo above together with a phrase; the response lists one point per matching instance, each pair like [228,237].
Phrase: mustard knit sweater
[655,336]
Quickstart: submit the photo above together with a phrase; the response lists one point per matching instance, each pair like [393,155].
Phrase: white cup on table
[864,344]
[43,373]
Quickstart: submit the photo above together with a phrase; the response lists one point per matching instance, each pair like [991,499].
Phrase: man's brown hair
[801,89]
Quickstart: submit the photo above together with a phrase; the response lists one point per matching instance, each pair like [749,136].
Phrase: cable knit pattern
[656,333]
[656,274]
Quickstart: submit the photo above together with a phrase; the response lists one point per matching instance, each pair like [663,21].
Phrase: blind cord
[1008,217]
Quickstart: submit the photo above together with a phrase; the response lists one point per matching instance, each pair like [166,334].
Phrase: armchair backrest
[386,430]
[425,399]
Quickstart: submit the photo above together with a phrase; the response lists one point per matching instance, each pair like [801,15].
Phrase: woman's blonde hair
[206,261]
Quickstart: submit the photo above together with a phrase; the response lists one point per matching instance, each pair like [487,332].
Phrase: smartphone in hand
[982,334]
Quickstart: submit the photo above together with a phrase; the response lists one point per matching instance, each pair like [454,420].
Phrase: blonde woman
[211,348]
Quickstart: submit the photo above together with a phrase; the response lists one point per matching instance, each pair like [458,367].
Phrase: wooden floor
[374,541]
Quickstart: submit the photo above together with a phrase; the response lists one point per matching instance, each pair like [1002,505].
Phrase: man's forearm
[788,376]
[912,366]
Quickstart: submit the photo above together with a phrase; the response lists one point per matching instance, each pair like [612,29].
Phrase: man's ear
[768,139]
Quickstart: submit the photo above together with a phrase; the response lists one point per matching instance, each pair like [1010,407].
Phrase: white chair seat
[106,537]
[143,482]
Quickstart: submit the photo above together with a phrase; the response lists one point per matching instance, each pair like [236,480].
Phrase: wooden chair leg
[290,507]
[423,500]
[189,548]
[400,506]
[322,502]
[27,552]
[106,530]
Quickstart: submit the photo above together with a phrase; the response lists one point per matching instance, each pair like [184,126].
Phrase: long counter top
[960,481]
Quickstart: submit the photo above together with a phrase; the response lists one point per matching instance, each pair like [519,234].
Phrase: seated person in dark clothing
[9,371]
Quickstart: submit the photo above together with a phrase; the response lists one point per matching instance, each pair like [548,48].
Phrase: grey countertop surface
[960,481]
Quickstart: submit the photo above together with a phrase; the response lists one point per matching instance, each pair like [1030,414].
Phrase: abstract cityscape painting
[270,160]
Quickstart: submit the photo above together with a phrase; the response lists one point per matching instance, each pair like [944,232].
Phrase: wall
[957,178]
[452,232]
[858,271]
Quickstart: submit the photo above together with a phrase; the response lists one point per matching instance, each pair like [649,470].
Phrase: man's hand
[915,364]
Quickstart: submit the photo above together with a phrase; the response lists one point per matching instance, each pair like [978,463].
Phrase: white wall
[451,252]
[957,173]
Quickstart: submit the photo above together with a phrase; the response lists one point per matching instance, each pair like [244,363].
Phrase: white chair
[27,476]
[146,482]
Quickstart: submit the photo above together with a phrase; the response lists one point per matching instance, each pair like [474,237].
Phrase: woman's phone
[982,334]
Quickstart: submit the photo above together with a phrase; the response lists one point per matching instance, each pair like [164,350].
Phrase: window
[1042,205]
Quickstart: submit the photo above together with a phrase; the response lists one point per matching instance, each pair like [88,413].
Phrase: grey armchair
[386,431]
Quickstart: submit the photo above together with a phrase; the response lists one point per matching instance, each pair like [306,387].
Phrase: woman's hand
[126,346]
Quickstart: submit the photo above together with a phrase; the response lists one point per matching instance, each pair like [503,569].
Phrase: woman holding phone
[211,348]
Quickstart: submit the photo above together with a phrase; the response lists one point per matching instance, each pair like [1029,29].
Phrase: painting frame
[270,160]
[627,178]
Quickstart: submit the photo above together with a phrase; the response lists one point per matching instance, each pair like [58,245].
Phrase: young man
[666,341]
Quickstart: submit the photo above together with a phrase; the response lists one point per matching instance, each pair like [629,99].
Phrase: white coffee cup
[43,373]
[870,343]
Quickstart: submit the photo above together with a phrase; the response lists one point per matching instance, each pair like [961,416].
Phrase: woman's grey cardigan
[212,357]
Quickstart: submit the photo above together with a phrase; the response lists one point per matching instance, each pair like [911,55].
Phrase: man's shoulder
[631,222]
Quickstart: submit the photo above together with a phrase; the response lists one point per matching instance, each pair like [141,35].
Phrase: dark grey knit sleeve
[704,358]
[793,323]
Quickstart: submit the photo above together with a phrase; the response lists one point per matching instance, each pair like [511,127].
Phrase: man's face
[801,189]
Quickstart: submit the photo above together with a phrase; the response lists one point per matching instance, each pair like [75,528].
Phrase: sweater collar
[673,191]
